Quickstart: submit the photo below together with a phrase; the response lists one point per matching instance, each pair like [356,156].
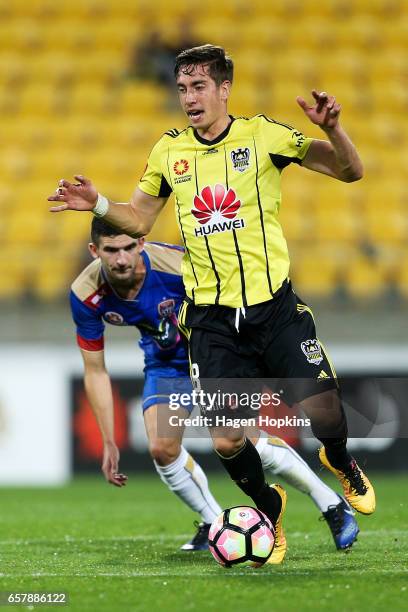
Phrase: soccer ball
[241,535]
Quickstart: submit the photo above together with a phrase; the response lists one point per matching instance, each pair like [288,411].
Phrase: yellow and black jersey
[227,195]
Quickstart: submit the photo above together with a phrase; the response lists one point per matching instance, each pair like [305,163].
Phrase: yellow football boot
[279,550]
[358,490]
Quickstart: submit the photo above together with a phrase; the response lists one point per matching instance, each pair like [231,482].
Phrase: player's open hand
[110,465]
[74,196]
[324,113]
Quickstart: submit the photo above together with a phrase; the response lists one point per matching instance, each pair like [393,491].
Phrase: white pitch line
[228,572]
[376,533]
[137,575]
[72,540]
[180,536]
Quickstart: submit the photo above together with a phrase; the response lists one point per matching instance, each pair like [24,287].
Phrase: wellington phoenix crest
[216,209]
[312,351]
[240,159]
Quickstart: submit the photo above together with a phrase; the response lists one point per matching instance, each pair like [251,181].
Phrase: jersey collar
[220,137]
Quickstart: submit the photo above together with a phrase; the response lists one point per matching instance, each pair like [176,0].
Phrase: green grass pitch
[117,550]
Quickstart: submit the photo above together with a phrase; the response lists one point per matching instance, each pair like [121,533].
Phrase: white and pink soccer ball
[241,535]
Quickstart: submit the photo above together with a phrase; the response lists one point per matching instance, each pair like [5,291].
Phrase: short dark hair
[220,65]
[101,228]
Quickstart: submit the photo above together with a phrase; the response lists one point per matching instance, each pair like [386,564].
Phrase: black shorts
[272,340]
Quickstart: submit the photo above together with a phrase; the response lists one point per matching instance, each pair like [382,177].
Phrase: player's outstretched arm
[99,392]
[337,158]
[135,218]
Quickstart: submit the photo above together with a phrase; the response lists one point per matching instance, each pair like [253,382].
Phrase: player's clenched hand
[324,113]
[74,196]
[110,465]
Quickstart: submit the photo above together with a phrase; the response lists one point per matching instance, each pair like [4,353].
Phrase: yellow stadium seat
[390,64]
[336,224]
[385,225]
[26,134]
[7,199]
[121,34]
[93,100]
[15,165]
[30,193]
[385,131]
[395,32]
[16,34]
[284,9]
[286,108]
[141,98]
[65,107]
[166,229]
[364,279]
[84,10]
[107,67]
[389,258]
[245,101]
[130,134]
[392,197]
[9,103]
[53,278]
[351,71]
[13,275]
[23,9]
[78,134]
[295,224]
[294,67]
[331,195]
[14,69]
[398,102]
[380,161]
[47,9]
[265,35]
[112,166]
[57,162]
[382,10]
[42,100]
[53,68]
[227,9]
[69,35]
[142,9]
[402,276]
[25,226]
[38,191]
[70,230]
[311,34]
[311,275]
[249,67]
[297,192]
[359,32]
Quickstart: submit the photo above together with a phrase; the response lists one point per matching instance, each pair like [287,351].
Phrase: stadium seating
[402,276]
[67,105]
[364,279]
[320,273]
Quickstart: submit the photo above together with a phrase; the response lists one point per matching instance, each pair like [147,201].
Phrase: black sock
[337,453]
[245,468]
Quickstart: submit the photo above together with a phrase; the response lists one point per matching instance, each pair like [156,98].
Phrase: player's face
[203,101]
[120,256]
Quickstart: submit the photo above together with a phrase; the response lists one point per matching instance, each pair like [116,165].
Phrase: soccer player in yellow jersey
[241,316]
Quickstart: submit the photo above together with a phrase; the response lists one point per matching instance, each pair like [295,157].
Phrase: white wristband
[101,206]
